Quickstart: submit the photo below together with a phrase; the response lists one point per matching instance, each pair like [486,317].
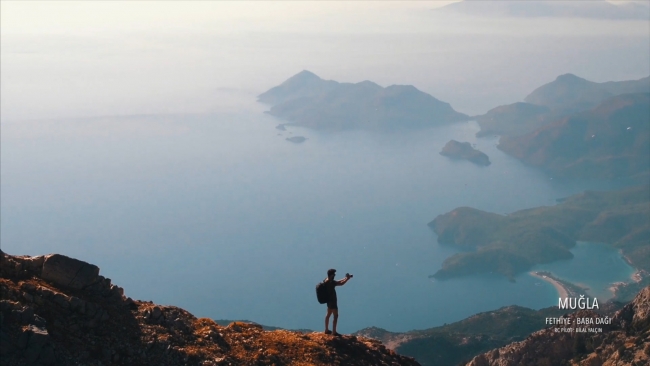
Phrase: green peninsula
[511,244]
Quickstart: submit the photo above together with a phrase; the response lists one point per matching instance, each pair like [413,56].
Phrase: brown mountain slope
[626,341]
[56,310]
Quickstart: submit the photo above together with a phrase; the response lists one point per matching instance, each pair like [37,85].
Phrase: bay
[595,266]
[220,215]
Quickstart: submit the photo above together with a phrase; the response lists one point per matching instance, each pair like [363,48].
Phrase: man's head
[331,273]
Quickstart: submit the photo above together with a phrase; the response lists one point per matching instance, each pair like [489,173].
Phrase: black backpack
[321,292]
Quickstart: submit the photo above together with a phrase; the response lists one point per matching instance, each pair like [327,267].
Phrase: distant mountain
[306,100]
[304,84]
[623,342]
[514,243]
[572,93]
[595,9]
[611,140]
[566,95]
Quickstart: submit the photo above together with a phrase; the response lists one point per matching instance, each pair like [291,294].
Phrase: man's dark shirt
[331,294]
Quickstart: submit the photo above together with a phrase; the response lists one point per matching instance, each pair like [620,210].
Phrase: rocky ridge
[626,341]
[56,310]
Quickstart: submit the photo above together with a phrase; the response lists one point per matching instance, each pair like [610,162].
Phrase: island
[514,243]
[296,139]
[307,100]
[464,150]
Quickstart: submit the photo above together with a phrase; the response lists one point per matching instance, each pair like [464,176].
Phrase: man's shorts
[332,305]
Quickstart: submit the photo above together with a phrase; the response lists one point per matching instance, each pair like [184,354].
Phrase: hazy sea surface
[222,216]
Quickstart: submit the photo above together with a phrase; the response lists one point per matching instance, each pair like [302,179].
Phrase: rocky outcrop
[464,150]
[68,272]
[626,341]
[74,319]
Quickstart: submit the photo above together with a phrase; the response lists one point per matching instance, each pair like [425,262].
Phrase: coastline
[561,290]
[636,276]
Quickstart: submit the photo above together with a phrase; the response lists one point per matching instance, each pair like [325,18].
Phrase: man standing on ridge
[332,306]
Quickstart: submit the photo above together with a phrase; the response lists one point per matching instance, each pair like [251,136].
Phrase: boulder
[69,272]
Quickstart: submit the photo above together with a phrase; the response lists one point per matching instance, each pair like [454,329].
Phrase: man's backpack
[321,292]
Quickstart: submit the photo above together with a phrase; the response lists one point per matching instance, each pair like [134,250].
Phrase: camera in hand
[348,275]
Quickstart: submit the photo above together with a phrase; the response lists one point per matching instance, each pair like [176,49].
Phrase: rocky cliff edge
[56,310]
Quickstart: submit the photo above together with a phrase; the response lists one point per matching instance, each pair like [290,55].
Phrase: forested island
[307,100]
[511,244]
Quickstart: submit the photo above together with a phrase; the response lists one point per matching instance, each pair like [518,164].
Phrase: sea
[219,214]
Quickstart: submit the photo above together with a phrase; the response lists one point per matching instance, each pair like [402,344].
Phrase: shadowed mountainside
[307,100]
[514,243]
[56,310]
[611,140]
[626,341]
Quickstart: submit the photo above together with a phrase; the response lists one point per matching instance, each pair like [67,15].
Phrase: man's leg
[327,319]
[336,318]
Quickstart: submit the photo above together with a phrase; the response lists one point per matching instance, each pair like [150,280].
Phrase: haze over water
[220,215]
[192,199]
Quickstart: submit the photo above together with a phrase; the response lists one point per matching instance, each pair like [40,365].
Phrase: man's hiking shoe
[328,332]
[337,334]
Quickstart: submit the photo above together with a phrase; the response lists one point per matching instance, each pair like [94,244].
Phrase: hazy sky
[73,59]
